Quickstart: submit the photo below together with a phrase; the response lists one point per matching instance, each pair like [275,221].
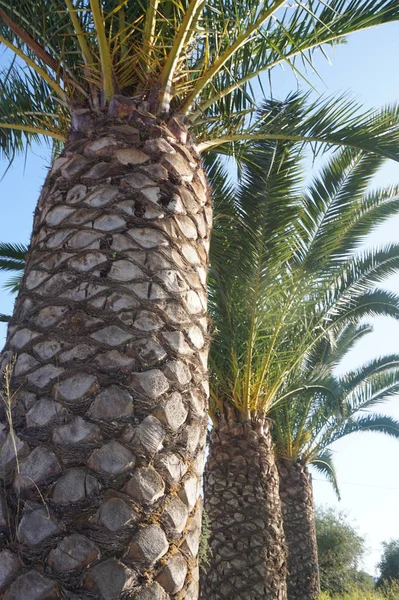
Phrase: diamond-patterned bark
[296,494]
[108,343]
[241,490]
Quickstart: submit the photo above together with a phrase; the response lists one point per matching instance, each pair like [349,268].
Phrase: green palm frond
[354,378]
[324,464]
[13,284]
[27,117]
[290,35]
[336,121]
[375,388]
[372,423]
[330,350]
[12,258]
[204,59]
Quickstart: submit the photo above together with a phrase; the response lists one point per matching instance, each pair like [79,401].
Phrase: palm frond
[324,123]
[323,463]
[13,252]
[27,112]
[12,258]
[294,35]
[372,423]
[13,284]
[357,377]
[330,350]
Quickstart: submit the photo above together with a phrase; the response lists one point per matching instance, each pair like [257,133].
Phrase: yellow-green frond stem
[105,54]
[166,80]
[123,32]
[34,130]
[225,57]
[80,34]
[149,33]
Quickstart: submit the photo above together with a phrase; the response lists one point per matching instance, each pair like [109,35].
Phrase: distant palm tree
[304,429]
[110,325]
[12,258]
[284,278]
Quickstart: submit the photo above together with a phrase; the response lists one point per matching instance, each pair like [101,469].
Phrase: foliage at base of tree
[385,592]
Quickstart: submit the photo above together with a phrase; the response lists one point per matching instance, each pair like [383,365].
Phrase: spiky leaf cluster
[286,277]
[206,60]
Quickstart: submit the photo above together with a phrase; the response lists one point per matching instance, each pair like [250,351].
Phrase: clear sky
[367,464]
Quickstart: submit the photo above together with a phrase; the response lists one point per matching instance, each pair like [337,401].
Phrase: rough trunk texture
[296,495]
[108,347]
[243,507]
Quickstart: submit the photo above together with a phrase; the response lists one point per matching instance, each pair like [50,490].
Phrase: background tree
[340,548]
[284,277]
[389,563]
[109,386]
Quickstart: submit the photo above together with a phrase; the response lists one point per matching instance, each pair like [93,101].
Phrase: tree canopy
[205,60]
[286,277]
[389,563]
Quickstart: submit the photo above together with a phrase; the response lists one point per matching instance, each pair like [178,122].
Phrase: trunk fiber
[296,495]
[245,521]
[102,442]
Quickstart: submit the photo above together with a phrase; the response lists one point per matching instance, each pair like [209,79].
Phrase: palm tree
[12,258]
[108,342]
[303,431]
[284,278]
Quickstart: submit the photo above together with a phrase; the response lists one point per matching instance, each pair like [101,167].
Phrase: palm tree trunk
[108,353]
[296,495]
[245,521]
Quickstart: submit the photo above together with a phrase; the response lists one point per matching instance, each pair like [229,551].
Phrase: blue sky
[367,464]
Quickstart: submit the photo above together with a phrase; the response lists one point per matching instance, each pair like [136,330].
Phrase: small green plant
[7,396]
[205,551]
[8,399]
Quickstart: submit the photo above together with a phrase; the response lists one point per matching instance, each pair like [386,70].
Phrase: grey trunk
[107,357]
[243,506]
[296,495]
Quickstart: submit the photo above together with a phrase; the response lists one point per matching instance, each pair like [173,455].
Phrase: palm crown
[196,58]
[304,429]
[286,275]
